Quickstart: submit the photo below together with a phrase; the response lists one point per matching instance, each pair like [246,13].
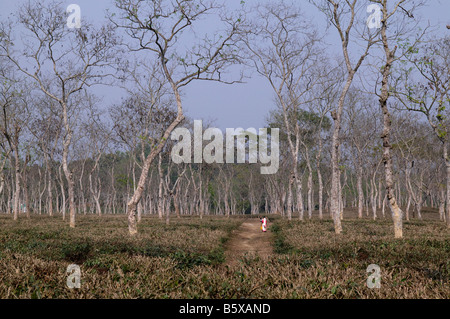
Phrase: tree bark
[132,204]
[397,214]
[160,189]
[319,177]
[67,172]
[16,208]
[310,188]
[360,190]
[49,192]
[335,169]
[447,165]
[289,200]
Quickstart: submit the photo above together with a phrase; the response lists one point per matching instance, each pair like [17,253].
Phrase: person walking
[264,224]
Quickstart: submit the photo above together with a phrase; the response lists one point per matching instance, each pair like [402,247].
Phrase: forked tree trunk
[95,192]
[132,204]
[397,214]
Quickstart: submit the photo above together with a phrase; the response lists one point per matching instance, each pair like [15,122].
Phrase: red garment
[264,224]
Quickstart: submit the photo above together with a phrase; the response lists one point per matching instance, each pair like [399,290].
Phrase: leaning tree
[170,33]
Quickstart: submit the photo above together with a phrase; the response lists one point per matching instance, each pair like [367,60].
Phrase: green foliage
[281,246]
[191,259]
[76,252]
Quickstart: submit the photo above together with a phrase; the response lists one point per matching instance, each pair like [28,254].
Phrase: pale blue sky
[241,105]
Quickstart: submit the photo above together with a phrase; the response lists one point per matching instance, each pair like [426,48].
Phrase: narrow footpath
[248,239]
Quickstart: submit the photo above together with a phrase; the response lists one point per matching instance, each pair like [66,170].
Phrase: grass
[34,254]
[186,259]
[417,266]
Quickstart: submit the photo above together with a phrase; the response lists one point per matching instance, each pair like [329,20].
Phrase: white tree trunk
[360,190]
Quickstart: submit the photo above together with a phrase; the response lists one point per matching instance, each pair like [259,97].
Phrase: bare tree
[343,16]
[12,123]
[389,13]
[424,87]
[284,49]
[362,122]
[99,138]
[46,126]
[159,29]
[62,62]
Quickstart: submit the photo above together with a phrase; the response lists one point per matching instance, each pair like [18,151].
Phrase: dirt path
[248,239]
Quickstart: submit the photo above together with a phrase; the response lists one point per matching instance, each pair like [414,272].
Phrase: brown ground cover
[223,258]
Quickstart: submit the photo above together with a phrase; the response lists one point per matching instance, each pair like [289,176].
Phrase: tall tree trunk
[374,193]
[335,144]
[176,205]
[420,197]
[49,193]
[63,194]
[310,187]
[380,193]
[139,211]
[43,190]
[408,190]
[200,193]
[360,189]
[25,189]
[160,189]
[132,204]
[17,180]
[397,214]
[289,200]
[383,209]
[319,177]
[167,207]
[82,203]
[95,192]
[225,200]
[299,192]
[67,172]
[447,165]
[442,204]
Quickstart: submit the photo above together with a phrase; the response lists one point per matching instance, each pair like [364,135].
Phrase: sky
[230,106]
